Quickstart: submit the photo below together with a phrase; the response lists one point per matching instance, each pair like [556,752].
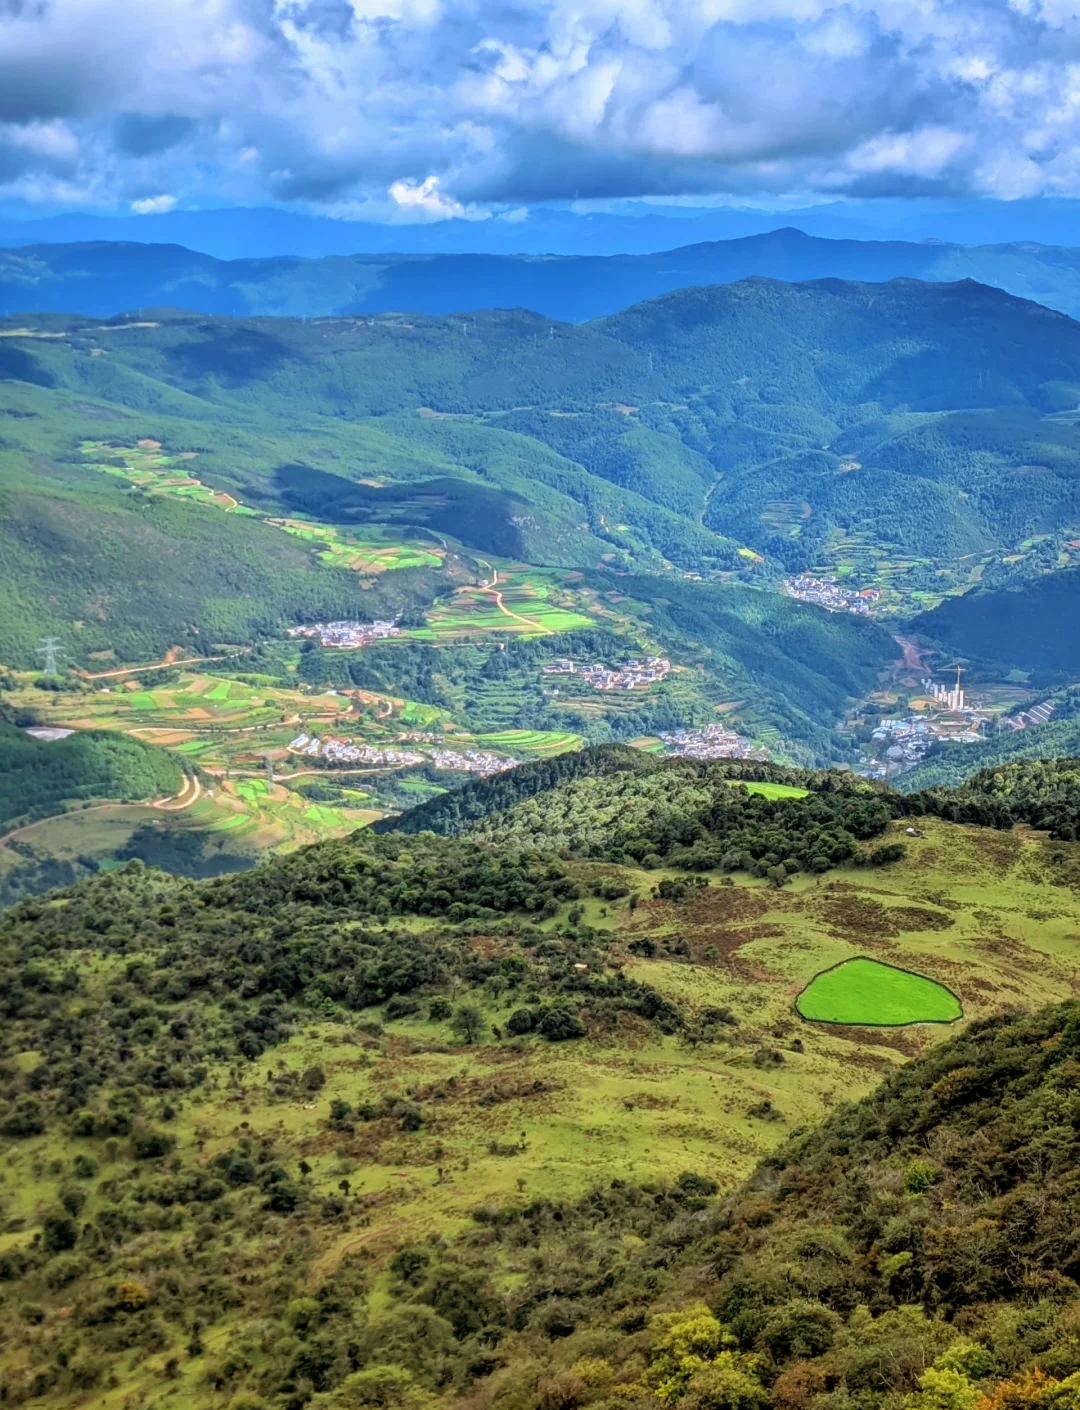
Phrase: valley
[539,748]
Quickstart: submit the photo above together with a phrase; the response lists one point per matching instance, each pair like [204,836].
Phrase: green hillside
[180,480]
[39,777]
[421,1121]
[800,420]
[1034,627]
[111,571]
[730,814]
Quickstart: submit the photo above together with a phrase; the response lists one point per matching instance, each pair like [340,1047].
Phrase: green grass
[867,992]
[775,790]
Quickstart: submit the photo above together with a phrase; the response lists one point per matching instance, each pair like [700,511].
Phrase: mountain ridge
[104,278]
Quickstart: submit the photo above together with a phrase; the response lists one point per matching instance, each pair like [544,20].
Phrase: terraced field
[149,468]
[520,601]
[370,551]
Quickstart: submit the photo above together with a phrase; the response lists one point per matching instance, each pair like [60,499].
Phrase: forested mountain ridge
[610,802]
[773,415]
[104,278]
[1036,627]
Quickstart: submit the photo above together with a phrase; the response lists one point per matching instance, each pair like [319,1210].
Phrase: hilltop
[417,1119]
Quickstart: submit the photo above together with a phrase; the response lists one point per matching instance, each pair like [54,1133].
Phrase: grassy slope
[991,915]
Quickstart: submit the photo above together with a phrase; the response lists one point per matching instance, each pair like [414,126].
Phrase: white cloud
[154,205]
[424,201]
[429,109]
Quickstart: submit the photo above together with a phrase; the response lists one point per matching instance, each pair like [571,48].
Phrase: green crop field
[873,994]
[542,743]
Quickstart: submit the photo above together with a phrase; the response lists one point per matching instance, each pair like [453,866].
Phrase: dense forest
[38,777]
[1035,627]
[618,804]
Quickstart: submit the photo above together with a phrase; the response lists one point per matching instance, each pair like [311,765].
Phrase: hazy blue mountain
[247,233]
[105,278]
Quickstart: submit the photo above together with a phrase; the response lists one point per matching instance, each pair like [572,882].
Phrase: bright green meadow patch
[866,992]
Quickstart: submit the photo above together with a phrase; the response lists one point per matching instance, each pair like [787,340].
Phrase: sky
[417,110]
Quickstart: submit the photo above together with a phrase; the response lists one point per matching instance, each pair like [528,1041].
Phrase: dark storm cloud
[140,135]
[419,106]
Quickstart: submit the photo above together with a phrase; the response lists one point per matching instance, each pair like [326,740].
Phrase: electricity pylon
[50,648]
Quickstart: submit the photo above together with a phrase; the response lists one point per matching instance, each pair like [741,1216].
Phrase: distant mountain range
[644,228]
[102,279]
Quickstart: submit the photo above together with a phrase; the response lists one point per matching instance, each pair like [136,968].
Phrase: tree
[58,1231]
[469,1023]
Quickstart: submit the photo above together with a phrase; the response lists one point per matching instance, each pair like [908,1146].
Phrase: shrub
[148,1144]
[693,1184]
[284,1196]
[132,1296]
[557,1025]
[25,1120]
[63,1269]
[920,1176]
[561,1392]
[521,1021]
[58,1231]
[400,1006]
[888,852]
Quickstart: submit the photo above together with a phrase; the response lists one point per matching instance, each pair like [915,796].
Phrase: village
[827,593]
[347,636]
[629,676]
[944,716]
[711,742]
[347,751]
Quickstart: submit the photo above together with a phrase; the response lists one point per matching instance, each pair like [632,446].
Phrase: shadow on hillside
[17,365]
[234,357]
[478,515]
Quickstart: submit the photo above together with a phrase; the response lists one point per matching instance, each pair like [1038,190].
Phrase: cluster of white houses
[628,676]
[347,636]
